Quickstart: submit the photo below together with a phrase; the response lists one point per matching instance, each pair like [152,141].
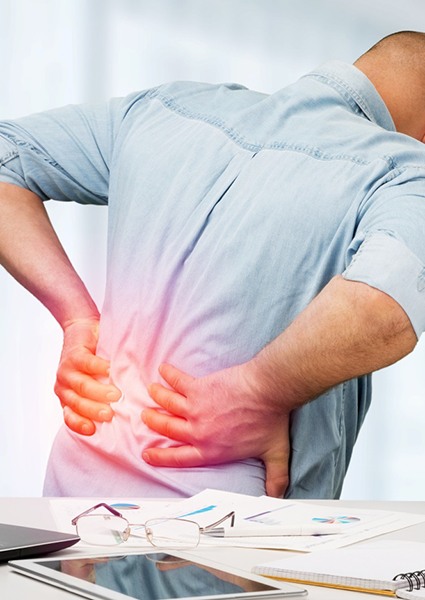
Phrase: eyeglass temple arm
[230,515]
[89,510]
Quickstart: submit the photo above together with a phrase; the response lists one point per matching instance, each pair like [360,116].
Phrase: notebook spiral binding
[416,579]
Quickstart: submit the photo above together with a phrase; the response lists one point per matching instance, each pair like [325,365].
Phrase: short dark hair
[399,41]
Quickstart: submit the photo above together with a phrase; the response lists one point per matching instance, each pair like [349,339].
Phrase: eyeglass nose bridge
[149,534]
[126,533]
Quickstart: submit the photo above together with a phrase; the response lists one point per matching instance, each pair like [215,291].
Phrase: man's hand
[32,253]
[348,330]
[80,386]
[219,418]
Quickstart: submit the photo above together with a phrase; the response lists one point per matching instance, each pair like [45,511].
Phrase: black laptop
[26,542]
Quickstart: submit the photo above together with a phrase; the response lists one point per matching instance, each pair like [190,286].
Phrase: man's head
[396,67]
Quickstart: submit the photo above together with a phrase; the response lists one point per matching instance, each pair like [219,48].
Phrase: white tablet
[151,577]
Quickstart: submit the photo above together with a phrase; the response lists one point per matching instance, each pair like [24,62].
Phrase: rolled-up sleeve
[388,249]
[62,154]
[8,163]
[387,264]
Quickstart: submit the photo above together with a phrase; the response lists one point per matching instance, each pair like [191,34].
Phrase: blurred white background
[55,52]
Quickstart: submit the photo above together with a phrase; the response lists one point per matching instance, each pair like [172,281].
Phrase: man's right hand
[32,253]
[81,377]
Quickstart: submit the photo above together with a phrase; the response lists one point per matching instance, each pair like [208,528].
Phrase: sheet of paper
[254,512]
[358,524]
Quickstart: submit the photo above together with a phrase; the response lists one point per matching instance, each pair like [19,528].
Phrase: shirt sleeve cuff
[386,263]
[8,155]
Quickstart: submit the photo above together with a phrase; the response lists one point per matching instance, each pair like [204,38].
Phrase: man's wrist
[90,318]
[269,381]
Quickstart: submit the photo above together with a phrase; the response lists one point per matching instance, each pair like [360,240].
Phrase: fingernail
[113,396]
[145,457]
[86,429]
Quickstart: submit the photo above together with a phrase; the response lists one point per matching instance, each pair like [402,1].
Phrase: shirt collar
[355,87]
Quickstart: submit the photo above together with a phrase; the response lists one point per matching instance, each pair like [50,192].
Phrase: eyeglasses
[112,528]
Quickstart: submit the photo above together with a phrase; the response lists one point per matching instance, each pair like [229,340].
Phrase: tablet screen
[149,577]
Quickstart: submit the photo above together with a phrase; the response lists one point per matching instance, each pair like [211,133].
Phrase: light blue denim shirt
[229,210]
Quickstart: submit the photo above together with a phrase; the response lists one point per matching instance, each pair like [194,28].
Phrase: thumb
[277,477]
[177,379]
[276,461]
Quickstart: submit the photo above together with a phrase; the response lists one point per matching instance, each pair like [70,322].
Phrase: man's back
[229,212]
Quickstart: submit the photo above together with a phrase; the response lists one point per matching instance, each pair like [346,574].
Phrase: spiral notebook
[415,594]
[389,567]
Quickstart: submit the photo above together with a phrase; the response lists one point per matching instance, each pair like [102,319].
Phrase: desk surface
[34,512]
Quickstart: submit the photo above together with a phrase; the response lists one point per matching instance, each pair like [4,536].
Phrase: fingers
[77,423]
[92,364]
[78,410]
[86,361]
[86,398]
[79,348]
[268,440]
[174,426]
[169,400]
[178,380]
[85,386]
[182,456]
[78,389]
[171,427]
[85,407]
[81,381]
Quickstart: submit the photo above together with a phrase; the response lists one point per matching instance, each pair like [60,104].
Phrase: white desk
[34,512]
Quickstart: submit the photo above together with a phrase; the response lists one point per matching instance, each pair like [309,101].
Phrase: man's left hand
[216,419]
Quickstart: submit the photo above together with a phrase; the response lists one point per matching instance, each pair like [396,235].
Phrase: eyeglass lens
[102,530]
[172,533]
[108,530]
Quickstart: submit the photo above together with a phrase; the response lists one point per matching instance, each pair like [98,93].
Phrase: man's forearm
[33,255]
[350,329]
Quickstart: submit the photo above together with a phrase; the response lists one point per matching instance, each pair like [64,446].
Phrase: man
[263,251]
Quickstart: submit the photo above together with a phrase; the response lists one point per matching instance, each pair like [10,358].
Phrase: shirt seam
[169,103]
[367,236]
[24,144]
[8,157]
[48,160]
